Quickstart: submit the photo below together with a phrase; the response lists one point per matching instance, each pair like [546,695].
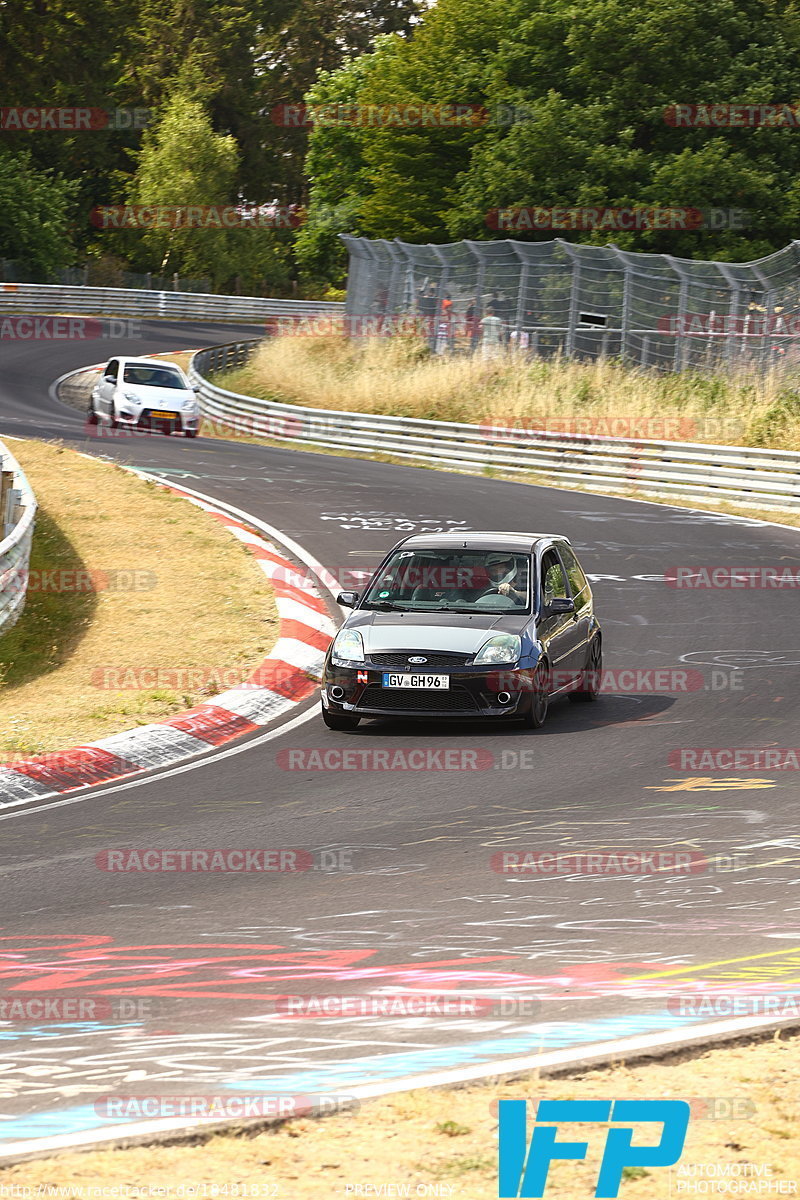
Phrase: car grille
[417,700]
[397,660]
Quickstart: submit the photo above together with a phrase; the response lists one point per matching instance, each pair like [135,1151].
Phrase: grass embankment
[444,1142]
[173,591]
[402,377]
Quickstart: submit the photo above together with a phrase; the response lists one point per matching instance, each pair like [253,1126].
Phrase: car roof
[480,539]
[145,362]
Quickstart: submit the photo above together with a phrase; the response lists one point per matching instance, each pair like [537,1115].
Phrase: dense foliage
[573,99]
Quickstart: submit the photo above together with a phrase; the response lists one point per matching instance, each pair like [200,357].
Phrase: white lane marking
[575,1056]
[190,766]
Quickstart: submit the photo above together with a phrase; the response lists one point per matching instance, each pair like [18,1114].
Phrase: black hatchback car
[465,625]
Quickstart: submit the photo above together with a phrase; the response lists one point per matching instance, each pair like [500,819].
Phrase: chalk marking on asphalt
[722,962]
[613,1050]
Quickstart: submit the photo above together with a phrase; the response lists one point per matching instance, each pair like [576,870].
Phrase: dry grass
[401,377]
[208,605]
[428,1139]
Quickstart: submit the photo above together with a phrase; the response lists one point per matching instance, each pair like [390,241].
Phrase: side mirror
[110,378]
[347,599]
[560,604]
[196,387]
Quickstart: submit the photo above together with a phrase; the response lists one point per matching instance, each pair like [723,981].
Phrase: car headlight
[502,648]
[348,646]
[132,398]
[191,402]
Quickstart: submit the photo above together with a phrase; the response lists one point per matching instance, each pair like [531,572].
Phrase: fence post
[440,291]
[627,275]
[393,304]
[681,345]
[476,249]
[522,287]
[733,305]
[575,283]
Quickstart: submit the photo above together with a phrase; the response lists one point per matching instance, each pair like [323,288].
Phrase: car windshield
[452,581]
[153,377]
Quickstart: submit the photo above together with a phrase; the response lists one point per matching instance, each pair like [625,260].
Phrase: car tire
[590,690]
[536,715]
[91,416]
[342,722]
[191,432]
[112,418]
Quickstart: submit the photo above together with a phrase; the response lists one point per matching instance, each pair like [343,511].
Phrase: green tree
[36,210]
[184,163]
[586,88]
[316,38]
[70,53]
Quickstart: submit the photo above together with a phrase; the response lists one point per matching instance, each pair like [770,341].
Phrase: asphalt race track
[404,897]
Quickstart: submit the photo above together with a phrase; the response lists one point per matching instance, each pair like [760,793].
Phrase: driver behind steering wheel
[502,571]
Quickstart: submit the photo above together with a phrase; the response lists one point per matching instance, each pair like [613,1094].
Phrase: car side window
[578,583]
[554,585]
[112,369]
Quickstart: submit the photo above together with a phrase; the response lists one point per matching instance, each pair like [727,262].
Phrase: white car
[145,393]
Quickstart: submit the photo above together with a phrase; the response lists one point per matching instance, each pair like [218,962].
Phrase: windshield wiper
[385,606]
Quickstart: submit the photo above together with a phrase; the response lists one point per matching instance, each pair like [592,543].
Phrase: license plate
[415,681]
[165,415]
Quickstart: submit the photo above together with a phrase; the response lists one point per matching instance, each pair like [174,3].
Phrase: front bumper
[178,422]
[473,692]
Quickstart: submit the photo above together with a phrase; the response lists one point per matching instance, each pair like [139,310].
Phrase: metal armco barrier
[128,302]
[17,517]
[763,478]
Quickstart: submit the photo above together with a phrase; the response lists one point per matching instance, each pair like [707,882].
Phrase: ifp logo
[523,1169]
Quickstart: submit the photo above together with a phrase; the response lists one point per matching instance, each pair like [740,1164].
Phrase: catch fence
[581,301]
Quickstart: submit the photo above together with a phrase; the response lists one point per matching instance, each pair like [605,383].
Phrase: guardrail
[17,517]
[129,302]
[689,470]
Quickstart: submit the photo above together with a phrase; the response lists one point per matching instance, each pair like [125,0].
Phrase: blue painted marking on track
[337,1077]
[62,1028]
[552,1035]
